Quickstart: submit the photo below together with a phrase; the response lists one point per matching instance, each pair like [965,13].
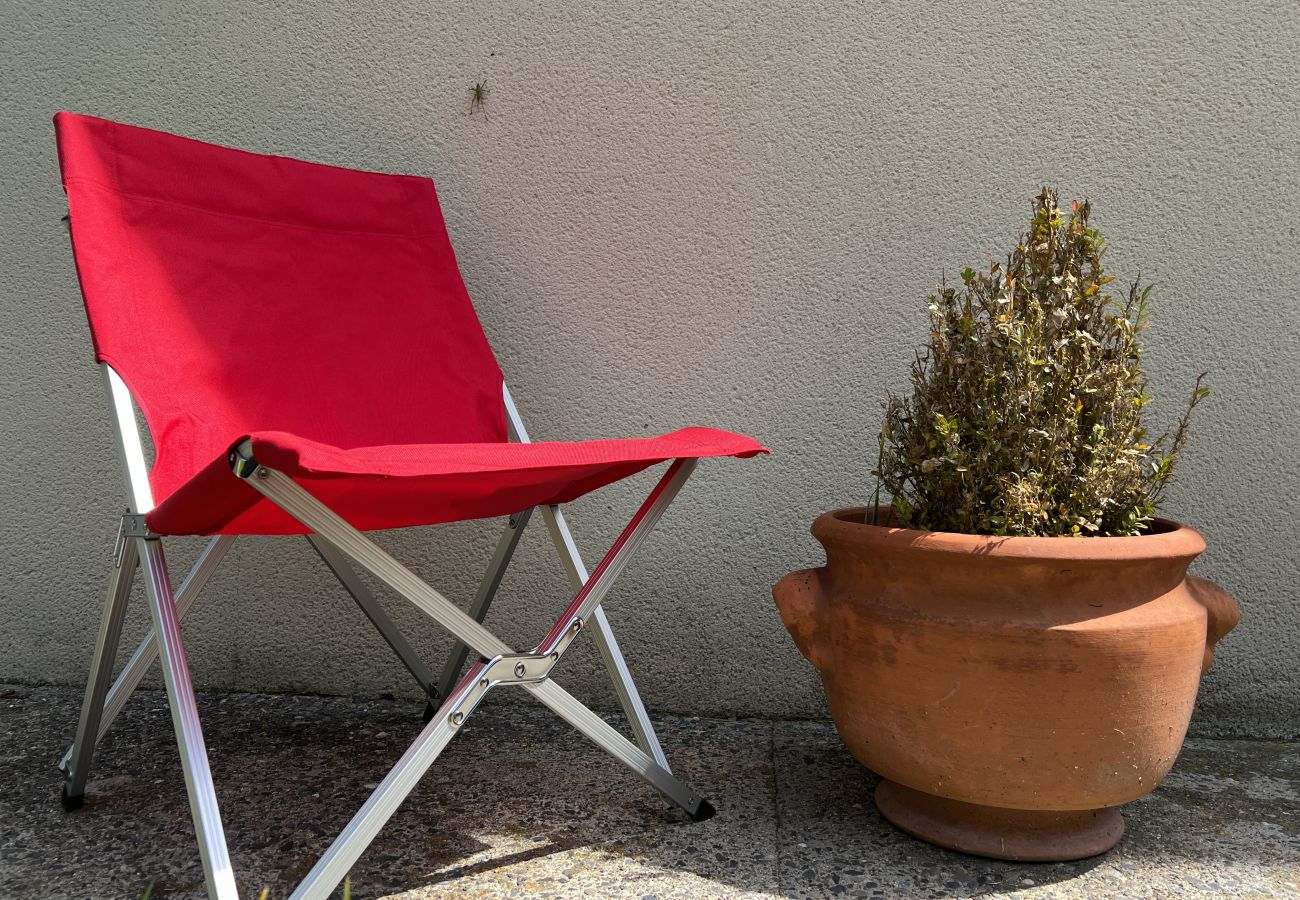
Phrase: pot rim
[848,525]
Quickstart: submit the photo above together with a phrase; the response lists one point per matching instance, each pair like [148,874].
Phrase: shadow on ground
[522,805]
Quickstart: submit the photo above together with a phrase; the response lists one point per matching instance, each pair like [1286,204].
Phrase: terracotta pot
[1012,692]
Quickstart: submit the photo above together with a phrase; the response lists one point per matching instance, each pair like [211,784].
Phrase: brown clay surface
[1018,673]
[1020,835]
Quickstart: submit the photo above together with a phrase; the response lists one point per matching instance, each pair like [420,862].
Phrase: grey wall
[681,214]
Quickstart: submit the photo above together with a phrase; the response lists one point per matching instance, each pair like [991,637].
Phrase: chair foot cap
[71,802]
[706,810]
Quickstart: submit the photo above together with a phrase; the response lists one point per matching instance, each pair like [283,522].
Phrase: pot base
[1022,835]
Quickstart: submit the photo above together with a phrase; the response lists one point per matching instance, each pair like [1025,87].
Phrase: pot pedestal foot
[1014,834]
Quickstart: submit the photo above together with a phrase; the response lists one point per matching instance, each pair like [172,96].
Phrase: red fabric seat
[422,484]
[319,311]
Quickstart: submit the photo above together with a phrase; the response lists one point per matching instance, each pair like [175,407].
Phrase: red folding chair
[306,357]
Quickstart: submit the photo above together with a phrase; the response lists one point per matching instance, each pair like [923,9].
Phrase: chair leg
[629,754]
[353,840]
[487,590]
[387,628]
[624,687]
[215,857]
[629,697]
[101,672]
[136,667]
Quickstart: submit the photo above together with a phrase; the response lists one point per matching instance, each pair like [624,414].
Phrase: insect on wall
[478,95]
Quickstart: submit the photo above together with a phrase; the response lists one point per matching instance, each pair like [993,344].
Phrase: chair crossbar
[383,623]
[595,588]
[328,525]
[487,590]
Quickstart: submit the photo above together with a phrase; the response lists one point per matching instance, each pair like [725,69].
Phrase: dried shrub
[1026,413]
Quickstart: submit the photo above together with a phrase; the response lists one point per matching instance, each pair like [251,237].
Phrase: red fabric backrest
[236,292]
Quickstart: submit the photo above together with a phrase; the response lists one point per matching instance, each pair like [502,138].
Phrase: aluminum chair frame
[451,699]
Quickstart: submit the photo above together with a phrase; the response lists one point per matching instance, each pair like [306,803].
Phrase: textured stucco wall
[683,213]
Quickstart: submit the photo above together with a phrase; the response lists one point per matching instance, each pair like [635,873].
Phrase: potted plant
[1012,641]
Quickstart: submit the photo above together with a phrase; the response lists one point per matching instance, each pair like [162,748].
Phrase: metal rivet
[262,472]
[554,657]
[457,718]
[521,670]
[483,682]
[576,626]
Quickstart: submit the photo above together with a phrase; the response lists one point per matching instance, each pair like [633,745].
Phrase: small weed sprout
[1026,412]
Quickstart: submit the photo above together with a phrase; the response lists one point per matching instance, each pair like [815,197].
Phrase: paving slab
[521,805]
[1225,823]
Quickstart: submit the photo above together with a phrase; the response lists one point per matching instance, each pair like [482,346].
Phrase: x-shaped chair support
[339,543]
[498,663]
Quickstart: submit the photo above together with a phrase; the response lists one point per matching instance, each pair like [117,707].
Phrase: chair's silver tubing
[383,623]
[571,559]
[215,857]
[487,590]
[331,868]
[299,503]
[82,750]
[134,468]
[595,588]
[136,667]
[624,687]
[613,743]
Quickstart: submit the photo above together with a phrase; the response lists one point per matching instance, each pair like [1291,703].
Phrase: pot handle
[1222,611]
[801,599]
